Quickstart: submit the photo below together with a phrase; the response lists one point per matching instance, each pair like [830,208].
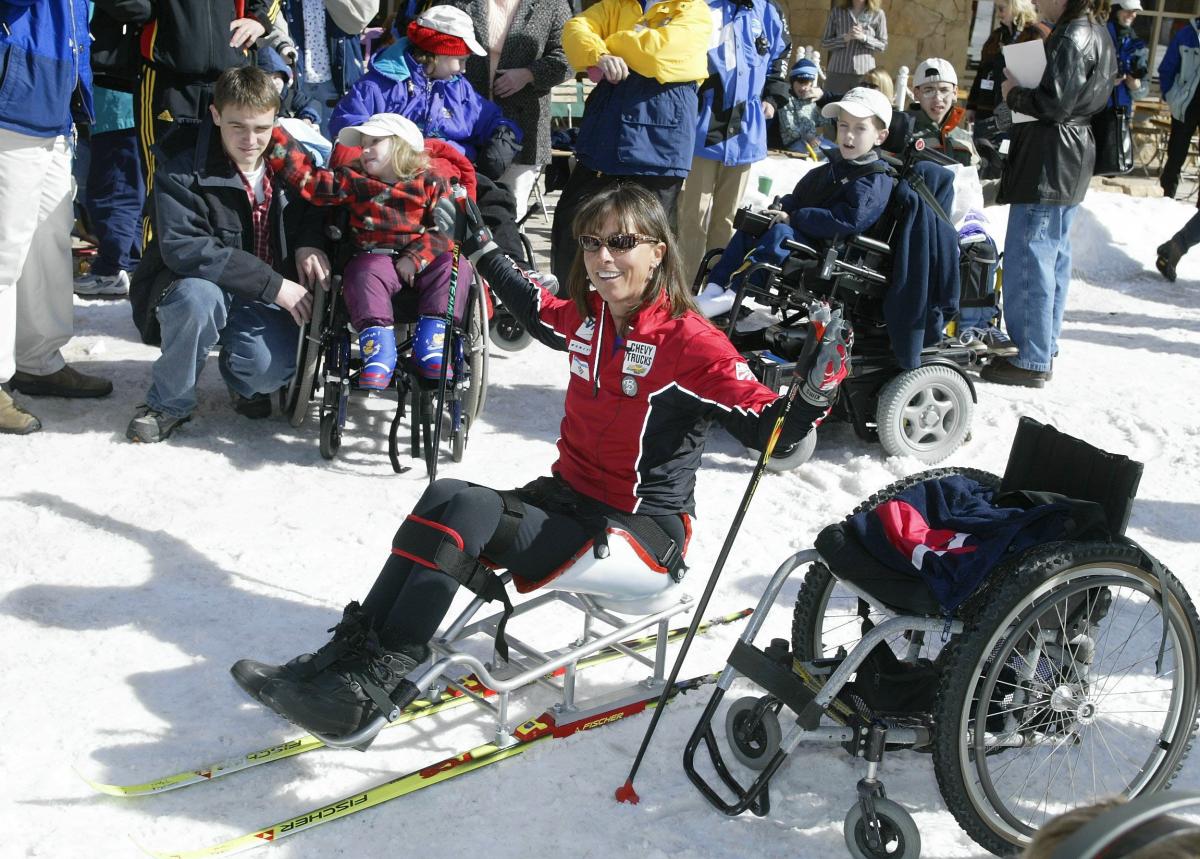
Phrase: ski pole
[431,456]
[626,793]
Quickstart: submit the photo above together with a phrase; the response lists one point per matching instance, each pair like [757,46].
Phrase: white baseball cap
[1129,5]
[384,125]
[936,71]
[453,22]
[861,102]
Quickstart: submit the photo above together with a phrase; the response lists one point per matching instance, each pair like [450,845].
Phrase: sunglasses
[618,243]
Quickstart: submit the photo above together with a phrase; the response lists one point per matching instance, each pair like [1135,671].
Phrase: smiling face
[377,157]
[937,99]
[857,135]
[1126,17]
[621,278]
[245,133]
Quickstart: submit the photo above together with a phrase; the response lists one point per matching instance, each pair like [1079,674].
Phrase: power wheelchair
[1068,675]
[923,412]
[327,366]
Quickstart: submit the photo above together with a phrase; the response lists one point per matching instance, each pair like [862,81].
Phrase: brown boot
[14,419]
[67,382]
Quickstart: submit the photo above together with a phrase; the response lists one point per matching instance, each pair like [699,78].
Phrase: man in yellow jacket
[639,123]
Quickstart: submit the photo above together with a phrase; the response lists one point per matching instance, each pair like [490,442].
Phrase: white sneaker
[102,284]
[715,300]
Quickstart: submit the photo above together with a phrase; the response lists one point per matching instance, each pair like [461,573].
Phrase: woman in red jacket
[648,377]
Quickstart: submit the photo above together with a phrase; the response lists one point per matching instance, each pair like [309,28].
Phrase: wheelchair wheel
[308,355]
[507,333]
[331,435]
[1050,699]
[476,355]
[924,413]
[826,617]
[753,731]
[799,454]
[898,833]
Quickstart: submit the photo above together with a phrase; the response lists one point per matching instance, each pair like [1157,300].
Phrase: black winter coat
[1050,160]
[534,42]
[191,37]
[202,227]
[116,31]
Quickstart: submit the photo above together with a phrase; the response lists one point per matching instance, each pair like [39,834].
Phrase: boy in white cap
[843,197]
[391,200]
[939,119]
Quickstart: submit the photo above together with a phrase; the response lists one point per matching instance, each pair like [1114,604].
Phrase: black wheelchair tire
[755,750]
[308,355]
[331,435]
[1022,592]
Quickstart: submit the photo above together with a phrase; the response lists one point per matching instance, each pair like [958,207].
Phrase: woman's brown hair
[638,211]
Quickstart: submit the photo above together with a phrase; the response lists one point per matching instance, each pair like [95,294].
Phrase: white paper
[1027,62]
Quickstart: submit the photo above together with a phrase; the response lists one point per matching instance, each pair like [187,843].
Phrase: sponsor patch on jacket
[585,331]
[580,368]
[639,358]
[742,371]
[580,346]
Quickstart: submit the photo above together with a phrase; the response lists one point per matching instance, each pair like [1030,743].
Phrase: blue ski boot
[428,344]
[378,347]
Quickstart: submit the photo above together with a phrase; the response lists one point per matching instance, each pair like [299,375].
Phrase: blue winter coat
[45,59]
[449,109]
[1179,71]
[1132,59]
[639,127]
[751,47]
[925,284]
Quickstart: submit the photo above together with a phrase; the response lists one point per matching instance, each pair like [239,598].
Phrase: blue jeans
[323,93]
[258,345]
[1037,273]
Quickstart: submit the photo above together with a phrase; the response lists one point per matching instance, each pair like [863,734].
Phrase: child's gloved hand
[406,269]
[825,360]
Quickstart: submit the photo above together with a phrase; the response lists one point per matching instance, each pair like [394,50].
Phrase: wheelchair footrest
[778,679]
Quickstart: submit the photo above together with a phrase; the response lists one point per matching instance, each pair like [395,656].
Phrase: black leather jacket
[1050,160]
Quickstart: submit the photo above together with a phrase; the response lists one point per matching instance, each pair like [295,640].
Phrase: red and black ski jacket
[639,406]
[191,37]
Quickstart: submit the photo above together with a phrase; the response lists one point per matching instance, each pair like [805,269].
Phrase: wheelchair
[924,412]
[327,366]
[1068,675]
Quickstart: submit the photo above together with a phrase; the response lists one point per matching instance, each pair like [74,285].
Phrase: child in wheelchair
[391,202]
[843,197]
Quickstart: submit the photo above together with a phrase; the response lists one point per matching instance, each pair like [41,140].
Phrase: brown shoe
[67,382]
[14,419]
[1004,372]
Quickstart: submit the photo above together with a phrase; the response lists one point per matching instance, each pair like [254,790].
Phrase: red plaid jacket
[382,215]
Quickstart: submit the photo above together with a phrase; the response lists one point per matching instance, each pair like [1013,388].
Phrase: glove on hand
[825,359]
[445,213]
[470,230]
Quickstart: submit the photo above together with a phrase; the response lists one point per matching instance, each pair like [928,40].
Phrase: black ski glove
[470,230]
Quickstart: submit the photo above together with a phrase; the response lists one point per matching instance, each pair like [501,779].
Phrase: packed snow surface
[135,575]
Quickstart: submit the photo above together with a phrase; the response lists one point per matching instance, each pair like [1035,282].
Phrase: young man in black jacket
[233,260]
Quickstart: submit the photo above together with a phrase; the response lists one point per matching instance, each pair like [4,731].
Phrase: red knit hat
[436,42]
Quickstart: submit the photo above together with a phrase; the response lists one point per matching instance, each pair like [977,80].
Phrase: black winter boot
[345,696]
[348,636]
[1168,256]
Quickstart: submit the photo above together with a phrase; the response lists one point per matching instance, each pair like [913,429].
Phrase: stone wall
[916,29]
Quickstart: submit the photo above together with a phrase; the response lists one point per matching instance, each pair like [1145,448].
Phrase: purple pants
[370,281]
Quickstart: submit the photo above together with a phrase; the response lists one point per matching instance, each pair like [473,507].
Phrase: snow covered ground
[133,576]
